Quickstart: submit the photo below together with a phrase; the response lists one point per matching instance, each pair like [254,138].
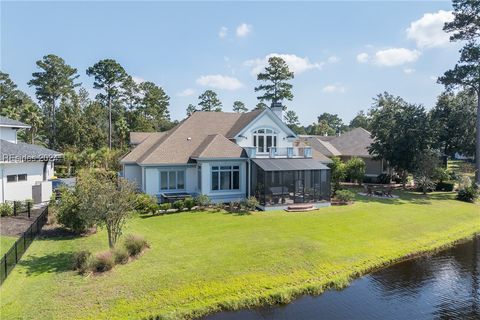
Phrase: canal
[445,285]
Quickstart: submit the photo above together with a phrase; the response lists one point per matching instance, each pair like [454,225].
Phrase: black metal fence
[15,253]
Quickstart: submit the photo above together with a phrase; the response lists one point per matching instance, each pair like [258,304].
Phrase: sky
[342,53]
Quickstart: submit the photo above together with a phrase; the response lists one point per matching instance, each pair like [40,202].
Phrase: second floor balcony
[281,152]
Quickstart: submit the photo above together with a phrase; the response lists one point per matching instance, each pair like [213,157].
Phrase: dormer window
[264,139]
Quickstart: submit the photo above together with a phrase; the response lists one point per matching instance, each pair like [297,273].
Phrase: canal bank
[442,285]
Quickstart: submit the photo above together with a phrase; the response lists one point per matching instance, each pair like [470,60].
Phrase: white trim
[274,118]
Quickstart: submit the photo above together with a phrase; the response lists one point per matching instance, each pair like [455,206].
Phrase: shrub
[355,169]
[102,261]
[163,207]
[146,204]
[69,214]
[189,203]
[179,205]
[445,186]
[6,209]
[234,206]
[203,200]
[469,194]
[250,203]
[345,195]
[135,244]
[80,260]
[442,174]
[120,255]
[337,173]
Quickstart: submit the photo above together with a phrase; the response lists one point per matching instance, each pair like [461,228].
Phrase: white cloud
[408,70]
[244,29]
[363,57]
[138,80]
[396,56]
[333,59]
[223,32]
[428,32]
[220,82]
[334,88]
[295,63]
[186,93]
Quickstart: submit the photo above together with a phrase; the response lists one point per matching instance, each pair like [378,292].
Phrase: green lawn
[5,243]
[201,262]
[461,167]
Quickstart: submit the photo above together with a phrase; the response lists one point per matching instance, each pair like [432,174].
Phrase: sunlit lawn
[6,243]
[201,262]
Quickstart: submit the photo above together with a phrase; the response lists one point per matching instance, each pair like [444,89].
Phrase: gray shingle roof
[7,122]
[13,152]
[352,143]
[180,143]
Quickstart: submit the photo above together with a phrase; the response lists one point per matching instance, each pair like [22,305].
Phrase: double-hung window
[225,178]
[264,139]
[172,180]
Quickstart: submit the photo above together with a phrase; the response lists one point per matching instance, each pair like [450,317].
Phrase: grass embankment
[6,243]
[202,262]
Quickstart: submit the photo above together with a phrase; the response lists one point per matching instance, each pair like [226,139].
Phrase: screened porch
[282,182]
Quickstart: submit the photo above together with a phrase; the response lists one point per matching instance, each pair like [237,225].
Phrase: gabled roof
[217,146]
[316,155]
[12,152]
[352,143]
[179,144]
[7,122]
[138,137]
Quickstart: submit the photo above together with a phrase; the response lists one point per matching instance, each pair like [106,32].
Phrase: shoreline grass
[206,262]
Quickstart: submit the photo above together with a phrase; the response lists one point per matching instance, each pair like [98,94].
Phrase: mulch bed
[16,226]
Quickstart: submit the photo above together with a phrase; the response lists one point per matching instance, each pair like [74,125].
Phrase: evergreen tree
[239,106]
[276,76]
[209,101]
[55,81]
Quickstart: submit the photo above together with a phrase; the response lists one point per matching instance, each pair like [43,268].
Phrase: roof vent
[189,138]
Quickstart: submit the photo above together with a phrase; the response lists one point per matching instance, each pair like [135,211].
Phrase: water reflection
[442,286]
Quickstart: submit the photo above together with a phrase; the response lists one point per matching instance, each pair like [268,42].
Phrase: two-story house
[230,156]
[26,170]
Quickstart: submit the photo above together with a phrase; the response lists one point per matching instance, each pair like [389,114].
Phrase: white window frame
[17,177]
[267,132]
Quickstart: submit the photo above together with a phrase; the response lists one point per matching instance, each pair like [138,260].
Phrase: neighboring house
[353,143]
[25,169]
[229,156]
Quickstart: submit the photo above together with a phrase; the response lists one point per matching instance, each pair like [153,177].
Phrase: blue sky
[343,53]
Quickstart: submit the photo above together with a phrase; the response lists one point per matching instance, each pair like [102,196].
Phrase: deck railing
[281,152]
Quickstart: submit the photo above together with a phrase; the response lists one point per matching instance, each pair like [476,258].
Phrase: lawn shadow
[50,263]
[405,196]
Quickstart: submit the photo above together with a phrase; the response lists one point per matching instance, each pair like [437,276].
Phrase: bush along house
[26,169]
[229,157]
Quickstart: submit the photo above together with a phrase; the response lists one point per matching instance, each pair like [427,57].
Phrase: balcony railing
[282,152]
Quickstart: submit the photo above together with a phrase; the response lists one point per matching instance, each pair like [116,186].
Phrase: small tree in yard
[426,171]
[338,173]
[355,169]
[108,200]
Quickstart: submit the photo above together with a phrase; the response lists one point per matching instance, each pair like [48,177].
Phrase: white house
[229,156]
[26,170]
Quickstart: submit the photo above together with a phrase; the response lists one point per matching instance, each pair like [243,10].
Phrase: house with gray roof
[26,169]
[229,157]
[353,143]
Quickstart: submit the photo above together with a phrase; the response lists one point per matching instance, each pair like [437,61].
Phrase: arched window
[264,139]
